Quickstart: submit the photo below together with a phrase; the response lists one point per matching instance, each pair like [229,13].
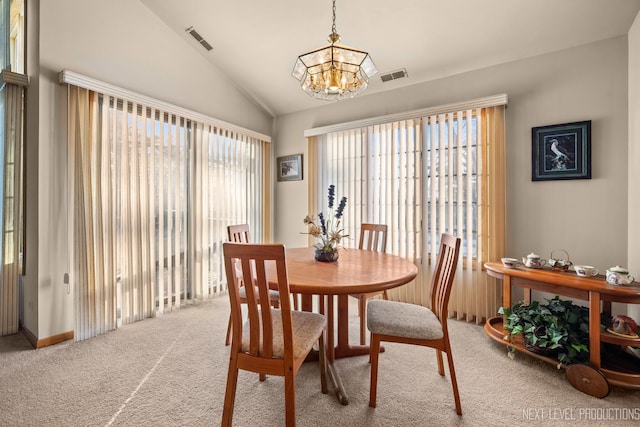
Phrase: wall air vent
[199,38]
[394,75]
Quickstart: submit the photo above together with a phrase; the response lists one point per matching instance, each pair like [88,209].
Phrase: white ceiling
[256,42]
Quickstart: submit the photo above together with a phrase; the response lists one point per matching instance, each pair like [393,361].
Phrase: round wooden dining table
[355,272]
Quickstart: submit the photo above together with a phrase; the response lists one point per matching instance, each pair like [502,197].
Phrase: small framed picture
[290,168]
[561,151]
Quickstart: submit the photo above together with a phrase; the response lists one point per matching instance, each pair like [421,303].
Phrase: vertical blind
[11,202]
[440,173]
[153,193]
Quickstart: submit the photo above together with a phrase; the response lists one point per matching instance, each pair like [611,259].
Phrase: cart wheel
[588,380]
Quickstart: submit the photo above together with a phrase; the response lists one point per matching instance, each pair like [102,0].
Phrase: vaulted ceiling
[256,42]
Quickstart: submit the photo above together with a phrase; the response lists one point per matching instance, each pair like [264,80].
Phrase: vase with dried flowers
[328,229]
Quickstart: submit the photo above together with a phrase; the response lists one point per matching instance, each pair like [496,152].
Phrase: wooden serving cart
[605,367]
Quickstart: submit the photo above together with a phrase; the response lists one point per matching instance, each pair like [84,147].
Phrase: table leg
[334,376]
[506,291]
[506,300]
[307,302]
[594,329]
[337,384]
[344,349]
[330,328]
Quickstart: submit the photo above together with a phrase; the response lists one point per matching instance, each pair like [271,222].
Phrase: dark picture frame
[289,168]
[561,151]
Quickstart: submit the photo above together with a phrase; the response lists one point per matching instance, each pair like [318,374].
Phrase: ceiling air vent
[199,38]
[394,75]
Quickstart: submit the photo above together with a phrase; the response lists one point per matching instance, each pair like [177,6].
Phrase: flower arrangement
[328,229]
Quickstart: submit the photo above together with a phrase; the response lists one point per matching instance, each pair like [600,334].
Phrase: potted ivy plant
[559,328]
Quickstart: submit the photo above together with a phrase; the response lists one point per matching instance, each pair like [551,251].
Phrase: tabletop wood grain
[356,271]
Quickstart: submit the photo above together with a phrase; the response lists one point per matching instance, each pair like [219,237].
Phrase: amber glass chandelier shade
[334,72]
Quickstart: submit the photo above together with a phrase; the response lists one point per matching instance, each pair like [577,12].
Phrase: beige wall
[587,218]
[120,42]
[634,156]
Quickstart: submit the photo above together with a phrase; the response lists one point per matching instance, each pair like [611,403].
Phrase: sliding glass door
[153,194]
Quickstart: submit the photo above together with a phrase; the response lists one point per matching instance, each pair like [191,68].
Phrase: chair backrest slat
[442,280]
[373,237]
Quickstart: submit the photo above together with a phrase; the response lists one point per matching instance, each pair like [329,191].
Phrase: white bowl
[585,270]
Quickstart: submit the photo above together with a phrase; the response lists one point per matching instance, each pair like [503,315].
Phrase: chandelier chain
[333,27]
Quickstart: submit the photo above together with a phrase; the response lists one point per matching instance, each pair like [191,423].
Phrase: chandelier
[334,72]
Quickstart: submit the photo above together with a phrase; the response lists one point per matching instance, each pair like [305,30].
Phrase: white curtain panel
[421,177]
[153,193]
[11,205]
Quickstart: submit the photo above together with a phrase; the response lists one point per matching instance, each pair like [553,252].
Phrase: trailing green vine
[559,327]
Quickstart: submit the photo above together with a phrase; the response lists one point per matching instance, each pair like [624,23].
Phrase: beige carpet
[171,371]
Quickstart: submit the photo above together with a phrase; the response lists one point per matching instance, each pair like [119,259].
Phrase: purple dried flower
[343,203]
[323,224]
[332,195]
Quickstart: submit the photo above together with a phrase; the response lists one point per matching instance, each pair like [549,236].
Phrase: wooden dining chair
[373,237]
[239,233]
[272,341]
[400,322]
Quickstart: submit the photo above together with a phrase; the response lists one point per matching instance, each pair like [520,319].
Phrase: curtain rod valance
[85,82]
[489,101]
[10,77]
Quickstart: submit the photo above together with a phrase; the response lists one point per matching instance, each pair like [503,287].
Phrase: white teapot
[619,276]
[533,261]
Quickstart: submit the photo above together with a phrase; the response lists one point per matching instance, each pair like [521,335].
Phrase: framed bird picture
[561,151]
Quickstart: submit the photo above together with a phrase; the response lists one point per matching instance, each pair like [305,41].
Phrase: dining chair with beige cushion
[239,233]
[373,237]
[400,322]
[272,341]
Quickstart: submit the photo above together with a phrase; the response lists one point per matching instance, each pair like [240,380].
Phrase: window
[16,36]
[154,191]
[451,160]
[12,86]
[424,175]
